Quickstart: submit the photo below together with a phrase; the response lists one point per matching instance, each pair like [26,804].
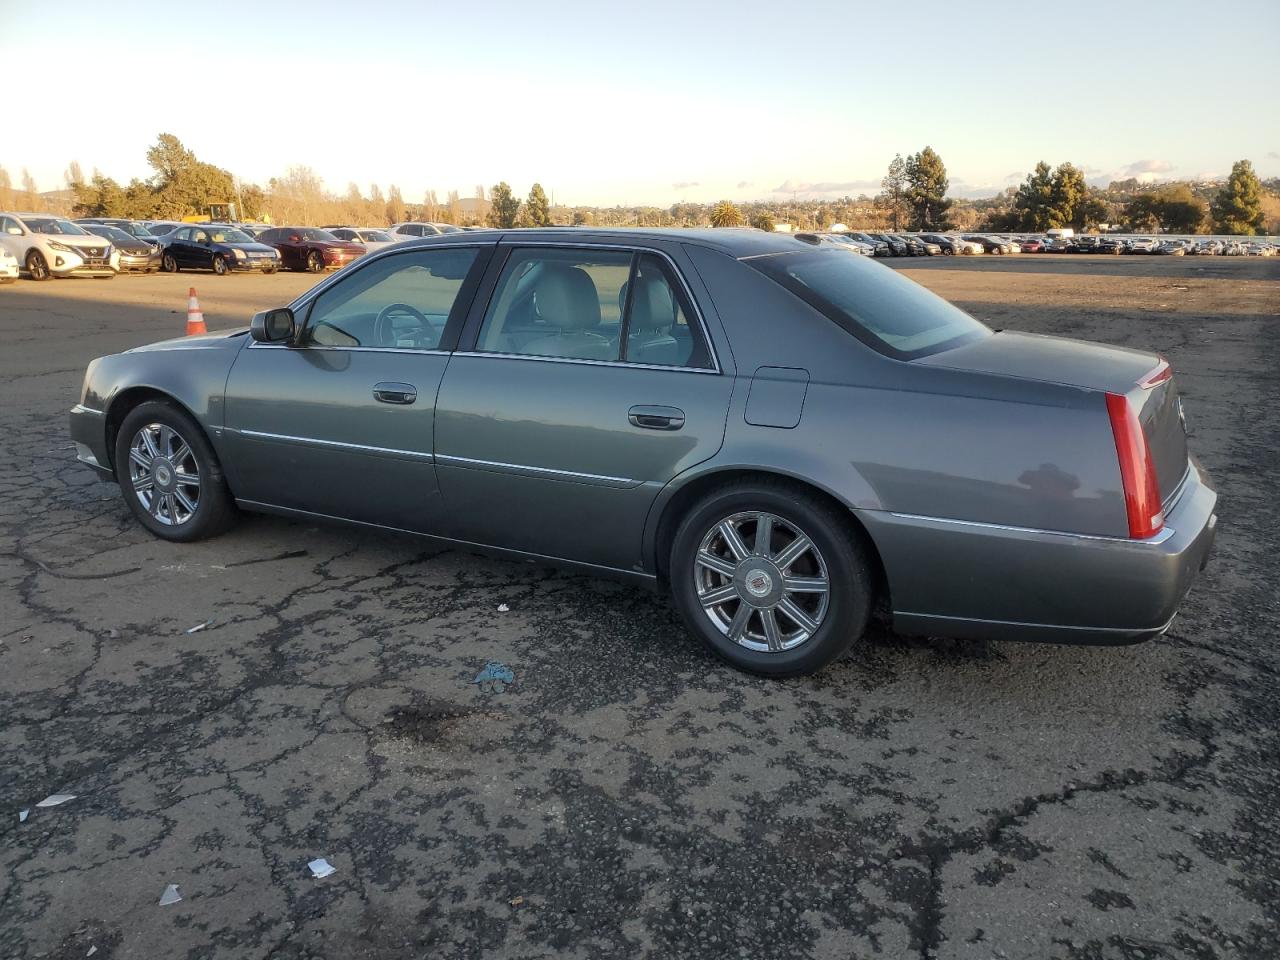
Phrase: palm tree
[725,214]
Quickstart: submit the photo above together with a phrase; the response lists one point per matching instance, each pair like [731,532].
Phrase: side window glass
[400,303]
[660,329]
[558,303]
[182,234]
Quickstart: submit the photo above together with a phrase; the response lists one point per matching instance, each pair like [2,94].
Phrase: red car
[311,249]
[1033,246]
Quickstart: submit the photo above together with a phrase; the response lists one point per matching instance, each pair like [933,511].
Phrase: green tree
[894,190]
[1237,209]
[725,214]
[762,220]
[183,184]
[1173,208]
[504,206]
[1034,200]
[537,211]
[1066,194]
[926,190]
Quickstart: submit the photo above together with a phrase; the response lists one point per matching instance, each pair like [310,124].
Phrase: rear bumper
[89,432]
[960,579]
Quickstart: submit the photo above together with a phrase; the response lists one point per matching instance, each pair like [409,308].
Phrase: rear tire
[765,611]
[168,264]
[37,266]
[169,474]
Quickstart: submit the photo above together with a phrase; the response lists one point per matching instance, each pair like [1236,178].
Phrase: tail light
[1137,470]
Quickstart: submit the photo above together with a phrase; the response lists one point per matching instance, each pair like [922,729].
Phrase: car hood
[73,241]
[250,247]
[221,340]
[1029,356]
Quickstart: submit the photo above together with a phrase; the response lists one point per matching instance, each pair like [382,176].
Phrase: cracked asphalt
[628,795]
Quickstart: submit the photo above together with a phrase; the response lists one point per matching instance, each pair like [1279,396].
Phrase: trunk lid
[1140,376]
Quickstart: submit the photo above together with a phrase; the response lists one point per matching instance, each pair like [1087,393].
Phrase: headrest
[567,298]
[652,307]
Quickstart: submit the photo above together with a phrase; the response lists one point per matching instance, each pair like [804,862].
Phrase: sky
[654,102]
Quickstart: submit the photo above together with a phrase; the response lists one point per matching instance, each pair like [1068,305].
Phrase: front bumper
[89,432]
[984,581]
[254,264]
[139,262]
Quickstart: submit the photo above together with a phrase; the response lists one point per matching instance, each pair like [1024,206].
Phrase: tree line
[913,196]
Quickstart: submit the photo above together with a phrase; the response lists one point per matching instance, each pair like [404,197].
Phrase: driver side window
[395,303]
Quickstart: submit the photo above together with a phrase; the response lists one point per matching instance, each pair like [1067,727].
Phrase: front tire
[169,474]
[37,266]
[773,579]
[168,264]
[315,263]
[220,266]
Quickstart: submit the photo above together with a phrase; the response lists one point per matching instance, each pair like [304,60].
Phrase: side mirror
[273,326]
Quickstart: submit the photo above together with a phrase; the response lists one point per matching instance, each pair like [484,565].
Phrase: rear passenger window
[658,327]
[606,305]
[558,303]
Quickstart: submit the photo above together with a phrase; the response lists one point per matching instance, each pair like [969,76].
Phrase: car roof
[736,242]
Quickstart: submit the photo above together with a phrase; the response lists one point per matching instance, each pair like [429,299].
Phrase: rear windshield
[875,303]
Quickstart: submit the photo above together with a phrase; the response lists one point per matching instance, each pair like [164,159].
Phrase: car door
[200,248]
[12,237]
[341,423]
[586,384]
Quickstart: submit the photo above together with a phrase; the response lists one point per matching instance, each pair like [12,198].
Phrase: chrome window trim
[517,242]
[1164,534]
[526,470]
[706,371]
[256,345]
[334,444]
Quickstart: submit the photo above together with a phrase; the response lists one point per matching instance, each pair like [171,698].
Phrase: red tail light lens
[1137,470]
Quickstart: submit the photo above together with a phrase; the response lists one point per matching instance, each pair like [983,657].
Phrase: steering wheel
[386,335]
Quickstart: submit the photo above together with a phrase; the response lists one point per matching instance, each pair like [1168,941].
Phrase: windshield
[54,225]
[137,230]
[374,236]
[111,233]
[306,233]
[230,236]
[875,303]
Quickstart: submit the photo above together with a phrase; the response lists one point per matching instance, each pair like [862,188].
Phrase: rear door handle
[656,418]
[401,393]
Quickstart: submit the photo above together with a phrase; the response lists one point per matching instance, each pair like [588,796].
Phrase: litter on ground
[198,627]
[495,677]
[56,799]
[22,815]
[321,868]
[503,608]
[170,895]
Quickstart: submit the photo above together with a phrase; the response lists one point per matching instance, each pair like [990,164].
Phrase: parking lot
[627,795]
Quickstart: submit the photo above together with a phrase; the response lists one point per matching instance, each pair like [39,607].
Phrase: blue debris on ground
[495,677]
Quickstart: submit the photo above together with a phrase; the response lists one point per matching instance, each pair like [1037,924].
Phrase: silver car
[779,434]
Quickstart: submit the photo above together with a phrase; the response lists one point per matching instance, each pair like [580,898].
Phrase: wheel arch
[678,503]
[130,398]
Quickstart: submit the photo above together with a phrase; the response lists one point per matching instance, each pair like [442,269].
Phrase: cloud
[1272,155]
[1139,167]
[743,184]
[685,184]
[847,186]
[1016,175]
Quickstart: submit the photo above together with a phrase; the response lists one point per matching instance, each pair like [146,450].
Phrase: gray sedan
[782,435]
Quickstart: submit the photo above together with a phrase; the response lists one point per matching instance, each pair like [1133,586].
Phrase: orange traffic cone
[195,319]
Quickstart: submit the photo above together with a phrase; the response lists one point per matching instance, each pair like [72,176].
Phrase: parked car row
[933,244]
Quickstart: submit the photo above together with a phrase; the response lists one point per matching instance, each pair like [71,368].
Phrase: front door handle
[656,418]
[401,393]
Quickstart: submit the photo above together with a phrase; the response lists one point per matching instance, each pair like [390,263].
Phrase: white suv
[51,246]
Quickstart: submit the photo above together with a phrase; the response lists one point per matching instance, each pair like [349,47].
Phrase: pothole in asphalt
[433,722]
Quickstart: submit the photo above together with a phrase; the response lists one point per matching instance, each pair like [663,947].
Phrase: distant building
[783,228]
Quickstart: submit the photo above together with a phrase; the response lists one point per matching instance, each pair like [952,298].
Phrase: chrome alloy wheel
[164,474]
[769,597]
